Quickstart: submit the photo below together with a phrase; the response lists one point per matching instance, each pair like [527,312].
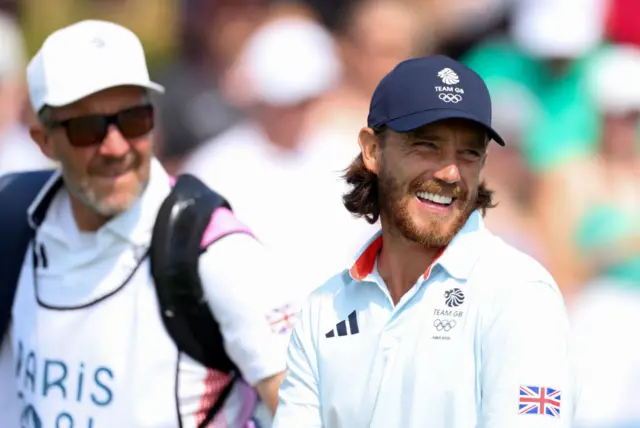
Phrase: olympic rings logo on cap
[450,98]
[445,325]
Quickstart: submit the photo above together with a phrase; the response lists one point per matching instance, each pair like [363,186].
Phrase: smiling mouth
[114,172]
[442,200]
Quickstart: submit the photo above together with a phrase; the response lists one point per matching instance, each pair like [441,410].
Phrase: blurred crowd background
[265,100]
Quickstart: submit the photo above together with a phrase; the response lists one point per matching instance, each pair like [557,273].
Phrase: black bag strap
[17,192]
[175,249]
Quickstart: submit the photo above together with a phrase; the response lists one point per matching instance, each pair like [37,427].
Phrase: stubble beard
[101,201]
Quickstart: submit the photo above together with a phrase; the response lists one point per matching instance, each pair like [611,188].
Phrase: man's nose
[114,144]
[448,174]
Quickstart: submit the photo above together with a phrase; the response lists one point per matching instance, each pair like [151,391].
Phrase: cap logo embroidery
[448,93]
[450,98]
[98,42]
[448,76]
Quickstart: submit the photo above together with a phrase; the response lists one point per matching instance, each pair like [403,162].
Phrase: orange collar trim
[428,271]
[364,265]
[367,260]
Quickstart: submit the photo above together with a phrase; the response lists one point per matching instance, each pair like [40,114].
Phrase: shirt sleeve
[251,299]
[526,373]
[299,398]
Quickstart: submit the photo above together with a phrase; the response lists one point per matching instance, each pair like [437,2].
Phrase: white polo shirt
[479,341]
[87,343]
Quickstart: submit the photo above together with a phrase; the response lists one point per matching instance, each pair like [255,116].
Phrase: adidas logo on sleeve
[341,327]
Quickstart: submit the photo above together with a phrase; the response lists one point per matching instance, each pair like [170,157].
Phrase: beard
[430,230]
[106,201]
[108,204]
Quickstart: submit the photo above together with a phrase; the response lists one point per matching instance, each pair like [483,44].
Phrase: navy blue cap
[424,90]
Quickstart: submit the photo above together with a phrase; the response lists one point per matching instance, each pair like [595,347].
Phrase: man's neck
[401,262]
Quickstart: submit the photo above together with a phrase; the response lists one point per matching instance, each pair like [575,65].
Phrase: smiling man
[437,322]
[87,343]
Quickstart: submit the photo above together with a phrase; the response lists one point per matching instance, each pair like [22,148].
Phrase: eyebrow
[424,135]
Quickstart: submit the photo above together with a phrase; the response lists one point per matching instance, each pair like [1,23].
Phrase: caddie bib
[89,346]
[110,363]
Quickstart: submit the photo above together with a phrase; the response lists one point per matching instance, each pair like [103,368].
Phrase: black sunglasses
[86,131]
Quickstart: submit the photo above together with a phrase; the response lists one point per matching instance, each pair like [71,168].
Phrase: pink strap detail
[223,222]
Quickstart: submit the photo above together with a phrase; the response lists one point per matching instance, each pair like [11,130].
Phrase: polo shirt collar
[458,258]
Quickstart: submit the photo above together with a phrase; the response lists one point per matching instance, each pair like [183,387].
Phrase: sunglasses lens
[91,130]
[86,131]
[136,122]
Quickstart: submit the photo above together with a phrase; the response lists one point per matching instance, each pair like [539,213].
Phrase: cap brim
[416,120]
[70,98]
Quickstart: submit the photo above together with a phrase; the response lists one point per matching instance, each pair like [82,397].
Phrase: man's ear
[371,148]
[40,136]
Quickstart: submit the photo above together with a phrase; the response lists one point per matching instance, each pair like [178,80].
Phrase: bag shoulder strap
[190,219]
[17,192]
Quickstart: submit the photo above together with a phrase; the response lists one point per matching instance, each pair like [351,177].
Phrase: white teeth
[445,200]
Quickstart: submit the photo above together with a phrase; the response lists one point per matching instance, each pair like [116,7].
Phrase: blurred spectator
[542,66]
[196,107]
[615,171]
[605,316]
[283,177]
[554,70]
[367,54]
[17,151]
[330,12]
[509,176]
[454,26]
[540,26]
[608,177]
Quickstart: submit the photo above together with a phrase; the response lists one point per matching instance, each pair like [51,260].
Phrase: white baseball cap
[84,58]
[610,79]
[289,60]
[558,28]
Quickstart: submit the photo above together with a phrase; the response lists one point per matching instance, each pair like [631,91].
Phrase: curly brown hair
[362,199]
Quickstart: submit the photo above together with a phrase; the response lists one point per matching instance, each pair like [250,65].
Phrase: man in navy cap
[438,322]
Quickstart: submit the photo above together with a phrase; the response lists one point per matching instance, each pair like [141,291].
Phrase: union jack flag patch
[282,319]
[539,400]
